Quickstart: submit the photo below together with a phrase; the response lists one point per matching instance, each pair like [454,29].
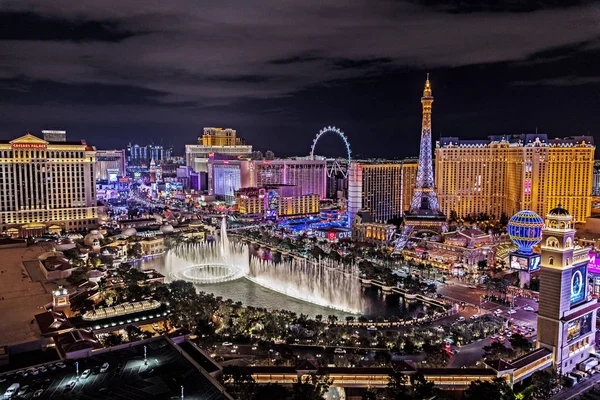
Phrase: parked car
[528,308]
[71,384]
[38,393]
[86,374]
[61,365]
[23,390]
[371,328]
[339,351]
[511,311]
[12,391]
[104,367]
[461,319]
[227,344]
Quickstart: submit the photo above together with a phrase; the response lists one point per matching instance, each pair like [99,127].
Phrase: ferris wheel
[336,166]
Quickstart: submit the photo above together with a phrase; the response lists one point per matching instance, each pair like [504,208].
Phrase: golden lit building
[506,174]
[250,201]
[375,188]
[214,141]
[47,183]
[298,205]
[409,179]
[263,201]
[219,137]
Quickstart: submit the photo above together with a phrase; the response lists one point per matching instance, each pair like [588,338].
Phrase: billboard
[578,284]
[594,264]
[579,327]
[525,263]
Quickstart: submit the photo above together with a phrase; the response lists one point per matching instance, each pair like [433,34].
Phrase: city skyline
[142,73]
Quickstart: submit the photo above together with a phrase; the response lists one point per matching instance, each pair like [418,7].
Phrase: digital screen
[524,263]
[578,284]
[519,262]
[579,327]
[534,263]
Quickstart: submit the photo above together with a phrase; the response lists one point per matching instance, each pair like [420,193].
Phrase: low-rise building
[153,246]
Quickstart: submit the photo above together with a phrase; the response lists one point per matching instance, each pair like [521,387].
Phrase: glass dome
[525,230]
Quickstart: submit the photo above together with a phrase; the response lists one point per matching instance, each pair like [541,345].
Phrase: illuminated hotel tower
[424,212]
[567,311]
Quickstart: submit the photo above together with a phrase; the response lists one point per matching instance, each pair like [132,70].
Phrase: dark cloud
[186,64]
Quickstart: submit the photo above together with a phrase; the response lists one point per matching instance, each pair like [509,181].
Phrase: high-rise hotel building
[45,184]
[506,174]
[375,188]
[215,141]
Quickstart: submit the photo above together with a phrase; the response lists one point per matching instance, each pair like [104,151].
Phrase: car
[371,328]
[227,344]
[509,334]
[86,374]
[11,391]
[339,351]
[33,371]
[104,367]
[254,347]
[23,390]
[43,369]
[461,319]
[498,311]
[472,287]
[455,351]
[440,296]
[61,365]
[71,384]
[501,338]
[494,337]
[233,350]
[474,317]
[511,311]
[38,393]
[528,308]
[52,367]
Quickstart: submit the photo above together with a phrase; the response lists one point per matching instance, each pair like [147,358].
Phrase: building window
[551,261]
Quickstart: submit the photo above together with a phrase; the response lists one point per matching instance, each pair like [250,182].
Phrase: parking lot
[128,377]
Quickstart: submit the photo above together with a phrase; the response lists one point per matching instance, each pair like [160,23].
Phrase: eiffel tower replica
[424,213]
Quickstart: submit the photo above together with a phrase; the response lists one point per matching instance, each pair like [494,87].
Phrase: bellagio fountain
[325,283]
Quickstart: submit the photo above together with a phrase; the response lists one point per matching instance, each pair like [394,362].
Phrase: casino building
[567,311]
[46,185]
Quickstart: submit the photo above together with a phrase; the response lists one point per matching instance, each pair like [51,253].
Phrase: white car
[371,328]
[227,344]
[104,367]
[71,384]
[498,311]
[339,351]
[86,374]
[528,308]
[461,319]
[511,311]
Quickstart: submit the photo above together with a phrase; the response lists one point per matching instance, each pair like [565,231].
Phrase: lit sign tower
[567,312]
[525,230]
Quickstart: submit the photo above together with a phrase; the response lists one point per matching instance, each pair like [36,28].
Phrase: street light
[145,361]
[182,392]
[77,368]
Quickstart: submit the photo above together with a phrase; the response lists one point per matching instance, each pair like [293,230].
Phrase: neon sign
[29,145]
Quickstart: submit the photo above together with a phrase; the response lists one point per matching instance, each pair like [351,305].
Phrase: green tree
[520,344]
[545,384]
[497,350]
[497,389]
[312,387]
[397,388]
[436,356]
[133,332]
[113,339]
[423,389]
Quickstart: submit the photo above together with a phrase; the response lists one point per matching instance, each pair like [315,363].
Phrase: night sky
[115,71]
